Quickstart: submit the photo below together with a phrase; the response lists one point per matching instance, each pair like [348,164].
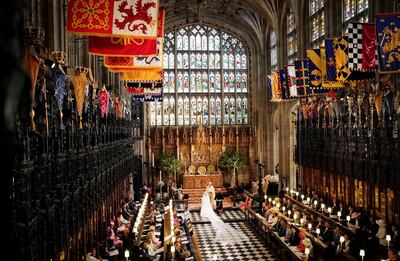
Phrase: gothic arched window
[354,10]
[274,52]
[205,79]
[291,37]
[317,22]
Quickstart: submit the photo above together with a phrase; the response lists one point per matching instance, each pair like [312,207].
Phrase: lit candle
[265,197]
[301,221]
[348,219]
[297,194]
[287,189]
[339,214]
[126,254]
[315,203]
[307,251]
[269,200]
[295,216]
[289,212]
[388,238]
[362,253]
[283,208]
[309,226]
[302,197]
[341,242]
[322,206]
[329,210]
[308,200]
[318,231]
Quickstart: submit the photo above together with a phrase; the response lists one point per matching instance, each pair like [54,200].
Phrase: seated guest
[92,256]
[282,227]
[319,224]
[180,253]
[370,228]
[345,246]
[382,232]
[151,251]
[156,242]
[301,247]
[334,206]
[342,211]
[355,219]
[392,255]
[288,231]
[327,233]
[296,212]
[141,252]
[272,220]
[396,237]
[336,236]
[349,211]
[307,243]
[294,239]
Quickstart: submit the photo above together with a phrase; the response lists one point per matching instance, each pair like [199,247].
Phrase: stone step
[195,195]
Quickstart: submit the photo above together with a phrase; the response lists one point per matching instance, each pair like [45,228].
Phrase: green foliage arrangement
[232,161]
[168,163]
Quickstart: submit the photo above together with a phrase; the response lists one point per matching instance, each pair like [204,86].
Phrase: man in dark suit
[294,238]
[327,233]
[219,198]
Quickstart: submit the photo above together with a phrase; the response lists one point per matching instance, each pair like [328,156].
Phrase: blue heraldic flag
[314,68]
[330,61]
[283,83]
[388,34]
[302,78]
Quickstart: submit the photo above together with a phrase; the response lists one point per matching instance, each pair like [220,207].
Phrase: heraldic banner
[136,18]
[387,29]
[127,46]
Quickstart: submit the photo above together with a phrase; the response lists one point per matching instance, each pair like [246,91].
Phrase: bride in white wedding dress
[224,233]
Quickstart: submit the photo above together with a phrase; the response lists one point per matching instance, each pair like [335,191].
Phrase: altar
[201,181]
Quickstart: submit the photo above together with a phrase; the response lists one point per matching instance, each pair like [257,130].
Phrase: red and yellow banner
[141,75]
[128,45]
[136,18]
[146,62]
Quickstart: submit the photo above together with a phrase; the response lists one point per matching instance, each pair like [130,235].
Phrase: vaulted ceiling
[251,17]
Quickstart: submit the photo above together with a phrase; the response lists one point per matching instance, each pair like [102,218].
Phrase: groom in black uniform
[219,198]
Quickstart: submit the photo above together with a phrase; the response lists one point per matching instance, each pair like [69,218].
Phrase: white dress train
[224,233]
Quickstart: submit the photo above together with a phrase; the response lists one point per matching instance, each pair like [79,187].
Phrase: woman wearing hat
[307,243]
[382,231]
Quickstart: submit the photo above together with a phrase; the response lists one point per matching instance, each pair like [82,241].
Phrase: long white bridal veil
[224,233]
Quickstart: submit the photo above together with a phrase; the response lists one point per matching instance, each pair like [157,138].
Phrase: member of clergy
[211,193]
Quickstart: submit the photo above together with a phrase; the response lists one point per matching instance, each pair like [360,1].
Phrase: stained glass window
[317,22]
[291,37]
[354,10]
[205,79]
[274,55]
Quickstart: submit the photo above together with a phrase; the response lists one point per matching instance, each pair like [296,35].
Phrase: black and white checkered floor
[227,215]
[250,250]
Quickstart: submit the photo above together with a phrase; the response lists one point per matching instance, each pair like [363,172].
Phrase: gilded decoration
[199,148]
